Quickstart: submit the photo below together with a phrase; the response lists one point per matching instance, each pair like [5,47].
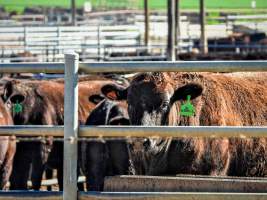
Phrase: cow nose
[17,98]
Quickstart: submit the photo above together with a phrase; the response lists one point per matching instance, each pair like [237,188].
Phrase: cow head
[151,97]
[19,95]
[109,113]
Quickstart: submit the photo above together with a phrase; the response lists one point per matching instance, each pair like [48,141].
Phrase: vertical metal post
[177,26]
[70,126]
[73,13]
[146,23]
[171,31]
[203,39]
[25,38]
[98,43]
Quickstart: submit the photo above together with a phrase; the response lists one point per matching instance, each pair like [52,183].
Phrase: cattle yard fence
[72,131]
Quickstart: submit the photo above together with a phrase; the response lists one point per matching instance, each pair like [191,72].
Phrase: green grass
[19,5]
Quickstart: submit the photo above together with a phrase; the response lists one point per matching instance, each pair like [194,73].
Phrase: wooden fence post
[70,126]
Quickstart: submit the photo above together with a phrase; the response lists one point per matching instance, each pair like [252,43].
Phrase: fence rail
[71,128]
[20,195]
[137,131]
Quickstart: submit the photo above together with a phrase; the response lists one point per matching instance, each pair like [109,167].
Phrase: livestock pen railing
[71,130]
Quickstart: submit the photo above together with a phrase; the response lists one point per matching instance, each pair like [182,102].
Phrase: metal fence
[71,131]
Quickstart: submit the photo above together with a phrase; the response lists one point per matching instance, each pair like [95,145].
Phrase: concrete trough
[185,184]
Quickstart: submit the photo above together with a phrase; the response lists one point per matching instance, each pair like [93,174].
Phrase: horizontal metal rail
[32,195]
[181,66]
[168,131]
[139,131]
[36,130]
[34,67]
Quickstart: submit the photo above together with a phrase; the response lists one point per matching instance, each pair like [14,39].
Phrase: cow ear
[114,92]
[8,89]
[119,121]
[192,89]
[96,98]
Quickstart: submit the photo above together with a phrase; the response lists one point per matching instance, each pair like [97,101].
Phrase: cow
[102,158]
[7,147]
[229,99]
[43,104]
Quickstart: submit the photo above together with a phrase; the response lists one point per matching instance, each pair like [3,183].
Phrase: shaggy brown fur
[236,99]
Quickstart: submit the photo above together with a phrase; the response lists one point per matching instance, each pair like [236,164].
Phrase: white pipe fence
[71,132]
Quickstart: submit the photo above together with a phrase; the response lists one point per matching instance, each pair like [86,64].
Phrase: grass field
[19,5]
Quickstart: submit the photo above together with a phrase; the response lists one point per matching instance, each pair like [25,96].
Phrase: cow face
[23,96]
[151,97]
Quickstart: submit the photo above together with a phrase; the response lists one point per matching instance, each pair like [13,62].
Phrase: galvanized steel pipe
[70,126]
[32,67]
[179,66]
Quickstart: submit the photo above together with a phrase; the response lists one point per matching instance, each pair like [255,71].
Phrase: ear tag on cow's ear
[17,108]
[187,109]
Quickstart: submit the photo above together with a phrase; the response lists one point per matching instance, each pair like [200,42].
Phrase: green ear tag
[187,109]
[17,108]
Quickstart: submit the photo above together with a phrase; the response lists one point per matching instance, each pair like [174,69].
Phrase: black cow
[102,158]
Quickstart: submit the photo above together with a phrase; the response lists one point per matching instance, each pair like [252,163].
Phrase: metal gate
[71,130]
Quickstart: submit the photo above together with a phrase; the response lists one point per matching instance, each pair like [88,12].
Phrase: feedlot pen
[71,132]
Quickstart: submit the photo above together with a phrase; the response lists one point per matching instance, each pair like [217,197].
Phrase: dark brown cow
[7,147]
[237,99]
[43,104]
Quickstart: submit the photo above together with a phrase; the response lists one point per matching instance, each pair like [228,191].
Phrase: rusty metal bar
[139,131]
[172,131]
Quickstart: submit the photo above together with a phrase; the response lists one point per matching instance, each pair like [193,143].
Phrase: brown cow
[43,104]
[237,99]
[7,147]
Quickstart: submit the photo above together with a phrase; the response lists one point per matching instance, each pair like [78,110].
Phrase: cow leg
[3,155]
[79,185]
[96,165]
[21,167]
[119,157]
[49,175]
[60,177]
[79,170]
[38,164]
[37,172]
[8,163]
